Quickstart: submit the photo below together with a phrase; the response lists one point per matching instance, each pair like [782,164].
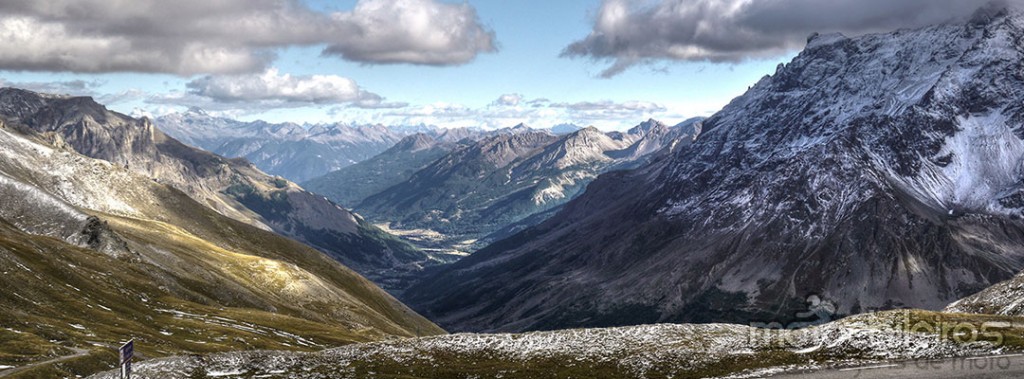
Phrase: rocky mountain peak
[991,11]
[564,128]
[877,172]
[197,111]
[415,142]
[646,127]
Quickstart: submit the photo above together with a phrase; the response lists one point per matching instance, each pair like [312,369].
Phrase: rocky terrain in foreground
[650,351]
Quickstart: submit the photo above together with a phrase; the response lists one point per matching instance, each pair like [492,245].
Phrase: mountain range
[353,184]
[875,172]
[302,152]
[469,190]
[297,152]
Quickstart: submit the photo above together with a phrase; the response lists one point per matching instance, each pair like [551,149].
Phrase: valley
[820,190]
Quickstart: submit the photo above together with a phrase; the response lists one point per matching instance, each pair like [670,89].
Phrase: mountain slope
[232,187]
[350,185]
[93,254]
[878,172]
[481,188]
[468,178]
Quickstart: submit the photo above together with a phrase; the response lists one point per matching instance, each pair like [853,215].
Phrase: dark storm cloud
[630,32]
[188,37]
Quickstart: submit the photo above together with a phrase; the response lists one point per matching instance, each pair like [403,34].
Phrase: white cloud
[75,87]
[274,86]
[509,99]
[592,111]
[188,37]
[512,109]
[272,89]
[429,33]
[630,32]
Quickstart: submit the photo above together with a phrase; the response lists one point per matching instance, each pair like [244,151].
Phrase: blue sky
[665,71]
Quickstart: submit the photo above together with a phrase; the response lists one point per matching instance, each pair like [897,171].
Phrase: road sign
[127,351]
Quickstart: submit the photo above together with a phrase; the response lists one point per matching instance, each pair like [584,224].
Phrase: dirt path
[78,353]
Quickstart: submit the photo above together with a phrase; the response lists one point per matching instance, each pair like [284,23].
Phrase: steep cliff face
[878,172]
[233,187]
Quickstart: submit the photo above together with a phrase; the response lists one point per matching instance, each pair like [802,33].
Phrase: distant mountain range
[295,152]
[109,230]
[876,172]
[354,183]
[471,189]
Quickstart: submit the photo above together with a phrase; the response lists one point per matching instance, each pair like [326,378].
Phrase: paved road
[77,353]
[996,367]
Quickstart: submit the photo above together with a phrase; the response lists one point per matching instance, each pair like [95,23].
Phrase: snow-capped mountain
[293,151]
[480,188]
[878,172]
[299,152]
[94,250]
[230,186]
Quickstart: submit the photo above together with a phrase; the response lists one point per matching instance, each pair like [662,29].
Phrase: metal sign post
[127,351]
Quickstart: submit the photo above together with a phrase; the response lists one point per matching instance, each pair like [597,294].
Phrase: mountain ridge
[804,185]
[480,188]
[94,251]
[233,187]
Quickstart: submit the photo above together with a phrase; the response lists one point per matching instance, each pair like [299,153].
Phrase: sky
[483,63]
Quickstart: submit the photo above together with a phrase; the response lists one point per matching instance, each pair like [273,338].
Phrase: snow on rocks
[635,350]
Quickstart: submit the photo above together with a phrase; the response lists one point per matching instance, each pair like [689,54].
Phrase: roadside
[984,367]
[78,353]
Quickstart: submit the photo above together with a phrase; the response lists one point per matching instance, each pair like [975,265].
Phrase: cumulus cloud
[630,32]
[411,31]
[512,109]
[272,89]
[274,86]
[188,37]
[373,101]
[598,110]
[509,99]
[75,87]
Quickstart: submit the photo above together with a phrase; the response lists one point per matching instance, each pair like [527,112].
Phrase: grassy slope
[201,229]
[197,282]
[183,295]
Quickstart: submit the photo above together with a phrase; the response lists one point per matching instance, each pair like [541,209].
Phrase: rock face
[233,187]
[878,172]
[482,187]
